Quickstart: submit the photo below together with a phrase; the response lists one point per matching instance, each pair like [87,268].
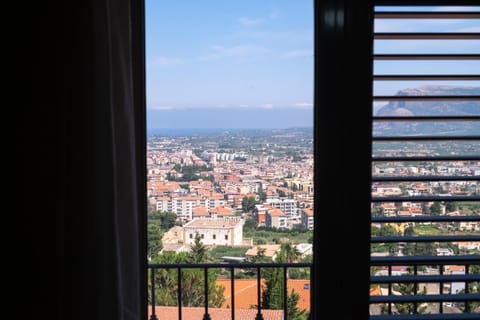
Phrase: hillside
[432,108]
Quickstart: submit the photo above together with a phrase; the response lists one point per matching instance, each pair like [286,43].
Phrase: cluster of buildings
[211,205]
[457,168]
[228,179]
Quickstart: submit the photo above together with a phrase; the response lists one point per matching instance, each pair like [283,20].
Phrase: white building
[288,206]
[225,232]
[307,218]
[305,249]
[445,252]
[183,206]
[275,218]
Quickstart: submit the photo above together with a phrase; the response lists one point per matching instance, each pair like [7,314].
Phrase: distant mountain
[430,108]
[417,108]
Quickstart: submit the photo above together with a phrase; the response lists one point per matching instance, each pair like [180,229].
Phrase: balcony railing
[435,274]
[258,267]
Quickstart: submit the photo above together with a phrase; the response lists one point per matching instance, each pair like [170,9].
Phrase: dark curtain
[85,160]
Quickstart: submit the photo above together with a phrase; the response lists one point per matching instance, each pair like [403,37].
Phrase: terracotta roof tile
[192,313]
[276,213]
[246,292]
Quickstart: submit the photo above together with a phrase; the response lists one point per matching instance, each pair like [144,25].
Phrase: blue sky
[229,59]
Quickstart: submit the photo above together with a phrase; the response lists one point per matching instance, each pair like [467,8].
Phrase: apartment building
[183,206]
[307,218]
[288,206]
[275,218]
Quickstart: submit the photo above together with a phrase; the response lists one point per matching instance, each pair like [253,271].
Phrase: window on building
[214,236]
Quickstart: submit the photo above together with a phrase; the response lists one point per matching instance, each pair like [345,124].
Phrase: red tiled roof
[200,211]
[246,292]
[192,313]
[308,211]
[222,211]
[375,291]
[276,213]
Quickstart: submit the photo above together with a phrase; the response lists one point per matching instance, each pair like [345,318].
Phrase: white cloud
[238,52]
[249,21]
[303,105]
[162,61]
[457,8]
[266,106]
[298,53]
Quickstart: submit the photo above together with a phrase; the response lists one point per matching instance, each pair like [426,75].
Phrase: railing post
[153,316]
[467,290]
[232,293]
[285,293]
[415,289]
[206,316]
[179,280]
[389,289]
[259,315]
[310,316]
[440,268]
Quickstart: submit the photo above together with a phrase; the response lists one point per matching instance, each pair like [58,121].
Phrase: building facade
[213,232]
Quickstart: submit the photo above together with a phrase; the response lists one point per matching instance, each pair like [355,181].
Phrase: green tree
[272,294]
[198,251]
[420,249]
[165,219]
[259,257]
[409,231]
[154,239]
[387,230]
[193,295]
[310,239]
[262,196]
[249,225]
[288,253]
[408,308]
[293,312]
[248,204]
[435,209]
[451,206]
[260,241]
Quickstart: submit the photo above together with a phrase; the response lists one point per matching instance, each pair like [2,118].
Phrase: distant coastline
[229,118]
[201,131]
[186,131]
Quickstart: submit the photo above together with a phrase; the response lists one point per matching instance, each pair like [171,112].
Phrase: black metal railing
[224,266]
[413,276]
[403,150]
